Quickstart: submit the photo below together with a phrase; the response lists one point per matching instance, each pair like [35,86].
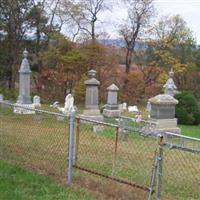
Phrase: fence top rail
[97,122]
[34,109]
[134,119]
[182,136]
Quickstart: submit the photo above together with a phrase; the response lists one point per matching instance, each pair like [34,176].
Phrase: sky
[189,10]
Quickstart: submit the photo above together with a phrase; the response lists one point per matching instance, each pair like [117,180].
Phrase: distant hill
[140,46]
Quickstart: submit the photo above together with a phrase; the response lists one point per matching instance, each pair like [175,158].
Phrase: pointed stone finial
[113,87]
[92,73]
[171,73]
[25,53]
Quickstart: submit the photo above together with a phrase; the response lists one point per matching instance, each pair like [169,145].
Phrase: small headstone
[124,106]
[1,97]
[36,101]
[133,109]
[112,108]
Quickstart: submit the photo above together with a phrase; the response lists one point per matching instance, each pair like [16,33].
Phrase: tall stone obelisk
[24,98]
[24,81]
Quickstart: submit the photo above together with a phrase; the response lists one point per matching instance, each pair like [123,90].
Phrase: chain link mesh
[38,141]
[124,156]
[181,168]
[120,154]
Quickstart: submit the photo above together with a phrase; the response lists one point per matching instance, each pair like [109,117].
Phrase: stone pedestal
[163,113]
[92,98]
[163,125]
[112,108]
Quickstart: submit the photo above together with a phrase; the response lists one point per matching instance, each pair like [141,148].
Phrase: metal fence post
[160,163]
[71,147]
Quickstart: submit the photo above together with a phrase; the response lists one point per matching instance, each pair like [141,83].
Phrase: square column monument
[112,108]
[24,98]
[92,98]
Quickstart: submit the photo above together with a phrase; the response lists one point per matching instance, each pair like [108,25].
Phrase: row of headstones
[162,106]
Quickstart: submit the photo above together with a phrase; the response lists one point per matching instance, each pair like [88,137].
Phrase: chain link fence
[122,159]
[38,141]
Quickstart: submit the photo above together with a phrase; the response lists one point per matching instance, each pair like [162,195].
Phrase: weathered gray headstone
[24,81]
[162,108]
[163,113]
[92,98]
[36,101]
[24,103]
[112,108]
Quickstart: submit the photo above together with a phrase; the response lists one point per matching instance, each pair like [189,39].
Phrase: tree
[38,22]
[139,15]
[85,14]
[173,46]
[13,27]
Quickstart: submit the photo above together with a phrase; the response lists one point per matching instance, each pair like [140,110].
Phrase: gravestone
[36,101]
[69,105]
[92,98]
[24,102]
[112,108]
[162,108]
[122,107]
[133,109]
[1,97]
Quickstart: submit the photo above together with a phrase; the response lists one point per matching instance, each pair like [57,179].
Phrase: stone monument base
[111,113]
[18,109]
[163,125]
[92,114]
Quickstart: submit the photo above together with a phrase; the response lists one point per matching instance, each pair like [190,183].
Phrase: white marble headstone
[69,105]
[1,97]
[124,106]
[133,109]
[36,101]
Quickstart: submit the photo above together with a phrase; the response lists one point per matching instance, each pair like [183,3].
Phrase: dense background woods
[64,40]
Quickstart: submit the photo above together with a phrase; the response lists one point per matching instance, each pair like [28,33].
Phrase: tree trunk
[128,60]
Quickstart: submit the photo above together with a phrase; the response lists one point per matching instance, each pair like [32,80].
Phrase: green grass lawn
[40,142]
[192,131]
[19,184]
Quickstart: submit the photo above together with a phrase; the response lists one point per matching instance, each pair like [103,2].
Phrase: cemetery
[89,112]
[111,145]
